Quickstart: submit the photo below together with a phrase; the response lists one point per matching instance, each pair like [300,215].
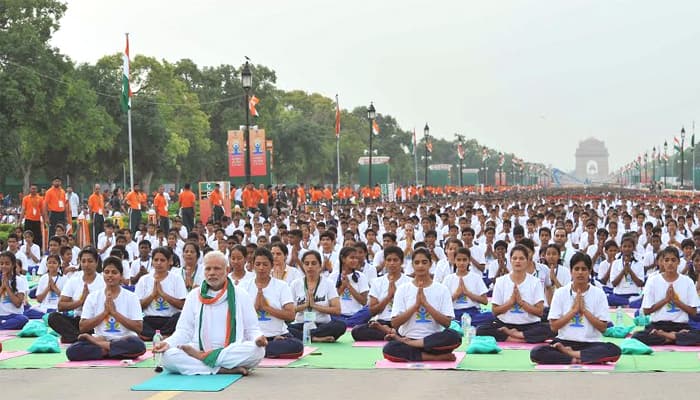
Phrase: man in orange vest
[187,201]
[134,199]
[264,199]
[216,202]
[161,206]
[56,209]
[32,206]
[96,204]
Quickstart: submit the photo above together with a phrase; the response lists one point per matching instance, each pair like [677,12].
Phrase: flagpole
[131,151]
[415,156]
[337,144]
[692,169]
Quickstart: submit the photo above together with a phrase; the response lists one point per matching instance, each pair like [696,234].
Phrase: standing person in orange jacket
[161,207]
[187,201]
[264,200]
[96,204]
[32,206]
[301,196]
[216,202]
[56,209]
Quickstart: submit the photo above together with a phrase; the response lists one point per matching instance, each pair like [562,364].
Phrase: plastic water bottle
[466,322]
[157,338]
[309,324]
[619,316]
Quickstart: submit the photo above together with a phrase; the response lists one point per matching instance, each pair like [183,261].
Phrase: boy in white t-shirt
[670,299]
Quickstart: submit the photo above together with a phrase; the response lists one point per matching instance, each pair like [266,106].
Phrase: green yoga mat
[44,360]
[340,354]
[184,383]
[507,360]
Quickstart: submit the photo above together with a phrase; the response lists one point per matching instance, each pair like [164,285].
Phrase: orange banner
[258,156]
[236,155]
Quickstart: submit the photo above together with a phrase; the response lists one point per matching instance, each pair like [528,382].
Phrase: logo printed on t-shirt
[160,304]
[111,325]
[422,316]
[263,316]
[346,295]
[576,321]
[517,309]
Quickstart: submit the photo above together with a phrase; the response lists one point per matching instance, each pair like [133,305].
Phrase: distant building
[592,160]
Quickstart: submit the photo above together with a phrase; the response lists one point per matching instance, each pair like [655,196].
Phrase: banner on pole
[236,155]
[258,158]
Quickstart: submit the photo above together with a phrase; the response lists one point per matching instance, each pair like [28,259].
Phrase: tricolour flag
[375,127]
[677,144]
[460,151]
[126,88]
[429,146]
[484,154]
[337,117]
[252,102]
[413,148]
[501,160]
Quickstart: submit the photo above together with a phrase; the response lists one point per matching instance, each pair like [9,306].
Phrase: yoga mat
[384,363]
[369,344]
[37,360]
[576,367]
[340,354]
[11,354]
[519,346]
[283,362]
[683,349]
[4,338]
[166,381]
[507,360]
[664,361]
[17,344]
[105,362]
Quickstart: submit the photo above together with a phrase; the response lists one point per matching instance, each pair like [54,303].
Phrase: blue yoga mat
[166,381]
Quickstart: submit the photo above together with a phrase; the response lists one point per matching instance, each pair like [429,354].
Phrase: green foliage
[62,118]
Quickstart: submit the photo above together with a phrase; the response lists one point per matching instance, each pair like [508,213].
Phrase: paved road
[320,384]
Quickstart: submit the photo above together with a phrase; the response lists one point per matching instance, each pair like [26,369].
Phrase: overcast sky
[529,77]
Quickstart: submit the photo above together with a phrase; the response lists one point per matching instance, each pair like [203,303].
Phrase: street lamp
[500,168]
[646,166]
[484,153]
[426,133]
[247,82]
[371,115]
[653,164]
[460,139]
[665,160]
[682,151]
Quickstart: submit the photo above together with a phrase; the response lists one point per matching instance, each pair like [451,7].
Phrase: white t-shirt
[198,274]
[277,294]
[563,275]
[348,304]
[138,263]
[126,304]
[51,300]
[655,291]
[290,274]
[579,329]
[379,289]
[36,252]
[531,291]
[422,324]
[626,285]
[542,274]
[440,270]
[6,306]
[492,268]
[172,284]
[325,291]
[473,282]
[74,289]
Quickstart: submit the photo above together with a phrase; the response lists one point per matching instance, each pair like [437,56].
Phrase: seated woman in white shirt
[627,277]
[352,287]
[49,289]
[381,298]
[280,269]
[66,321]
[115,315]
[192,272]
[236,265]
[579,314]
[468,290]
[162,295]
[13,291]
[316,294]
[421,314]
[274,306]
[670,299]
[559,274]
[517,304]
[365,264]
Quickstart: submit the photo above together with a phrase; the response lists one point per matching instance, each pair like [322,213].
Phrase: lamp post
[665,160]
[426,133]
[500,168]
[460,146]
[653,164]
[646,166]
[247,83]
[371,114]
[484,151]
[682,151]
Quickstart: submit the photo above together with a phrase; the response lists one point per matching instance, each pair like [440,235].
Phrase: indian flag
[677,144]
[126,89]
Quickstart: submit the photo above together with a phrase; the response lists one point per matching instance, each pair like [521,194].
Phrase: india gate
[592,160]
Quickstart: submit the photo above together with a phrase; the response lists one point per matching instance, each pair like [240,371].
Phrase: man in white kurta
[202,329]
